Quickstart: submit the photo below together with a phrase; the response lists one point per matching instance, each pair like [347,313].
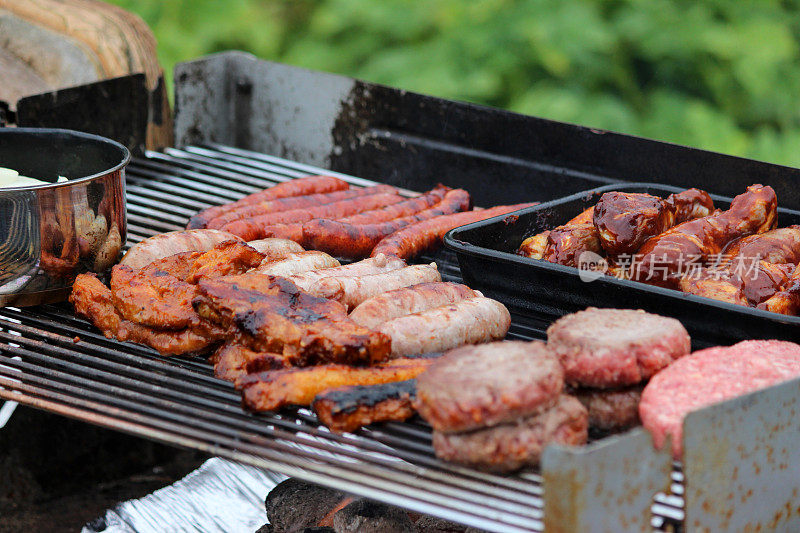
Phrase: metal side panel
[415,141]
[276,109]
[742,463]
[607,486]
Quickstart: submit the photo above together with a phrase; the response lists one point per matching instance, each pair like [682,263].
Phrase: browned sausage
[352,290]
[373,265]
[295,202]
[252,228]
[405,208]
[408,301]
[423,236]
[295,187]
[470,321]
[350,240]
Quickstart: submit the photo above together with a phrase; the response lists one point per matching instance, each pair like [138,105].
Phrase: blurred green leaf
[718,74]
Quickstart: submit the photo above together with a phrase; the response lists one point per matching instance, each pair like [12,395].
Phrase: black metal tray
[486,254]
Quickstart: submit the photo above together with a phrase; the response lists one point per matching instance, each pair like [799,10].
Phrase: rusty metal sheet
[606,486]
[742,463]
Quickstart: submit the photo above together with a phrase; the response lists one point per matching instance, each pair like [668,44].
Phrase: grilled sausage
[346,409]
[373,265]
[296,187]
[350,240]
[290,232]
[405,208]
[294,202]
[352,290]
[421,237]
[470,321]
[407,301]
[165,244]
[275,249]
[252,228]
[298,263]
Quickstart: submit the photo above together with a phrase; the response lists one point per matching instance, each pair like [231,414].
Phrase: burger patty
[710,376]
[488,384]
[611,409]
[609,348]
[511,446]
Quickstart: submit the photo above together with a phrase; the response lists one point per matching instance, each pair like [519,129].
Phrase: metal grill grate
[51,360]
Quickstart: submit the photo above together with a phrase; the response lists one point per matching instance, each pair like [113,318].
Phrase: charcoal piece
[431,524]
[365,516]
[294,505]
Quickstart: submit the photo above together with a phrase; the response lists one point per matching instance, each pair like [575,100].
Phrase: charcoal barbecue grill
[232,111]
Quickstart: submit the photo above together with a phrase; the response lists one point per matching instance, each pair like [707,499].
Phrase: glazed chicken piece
[625,221]
[271,314]
[786,301]
[536,245]
[717,285]
[565,244]
[777,246]
[662,257]
[93,301]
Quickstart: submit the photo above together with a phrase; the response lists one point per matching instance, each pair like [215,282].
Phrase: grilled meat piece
[156,298]
[275,249]
[535,245]
[270,314]
[343,239]
[470,321]
[346,409]
[405,208]
[407,301]
[152,297]
[565,244]
[517,444]
[611,410]
[715,284]
[418,238]
[93,301]
[297,263]
[164,245]
[268,391]
[253,228]
[365,267]
[609,348]
[232,257]
[294,202]
[786,301]
[662,257]
[352,290]
[233,361]
[296,187]
[777,246]
[625,220]
[476,386]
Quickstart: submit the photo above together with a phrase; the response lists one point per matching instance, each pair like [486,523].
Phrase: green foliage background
[718,74]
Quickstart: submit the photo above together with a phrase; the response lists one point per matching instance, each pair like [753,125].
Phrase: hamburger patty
[484,385]
[511,446]
[611,410]
[609,348]
[710,376]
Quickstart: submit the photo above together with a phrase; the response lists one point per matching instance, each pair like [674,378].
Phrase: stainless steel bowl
[50,233]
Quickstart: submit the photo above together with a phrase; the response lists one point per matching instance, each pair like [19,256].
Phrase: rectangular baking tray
[486,252]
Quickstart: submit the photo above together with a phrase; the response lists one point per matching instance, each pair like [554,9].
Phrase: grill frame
[177,400]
